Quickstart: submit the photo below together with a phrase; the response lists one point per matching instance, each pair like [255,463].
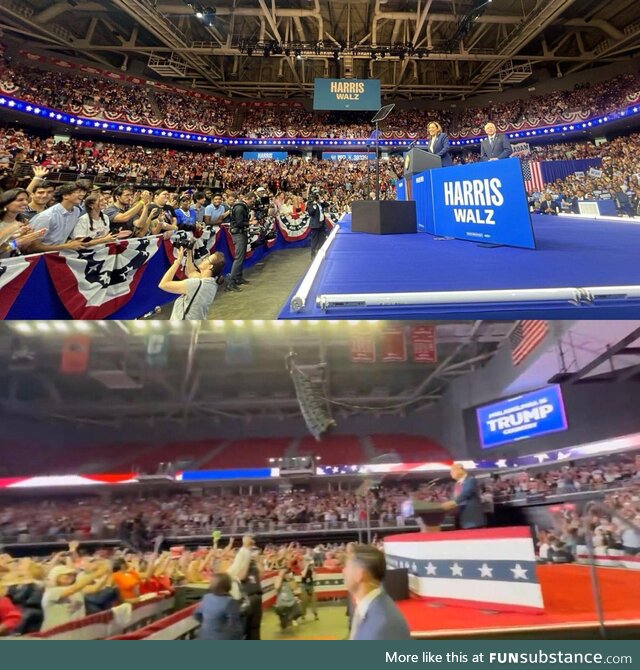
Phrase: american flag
[526,336]
[532,173]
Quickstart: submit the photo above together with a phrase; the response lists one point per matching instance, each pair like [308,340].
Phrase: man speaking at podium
[494,146]
[466,500]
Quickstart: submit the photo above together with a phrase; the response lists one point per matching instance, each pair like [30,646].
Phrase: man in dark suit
[466,499]
[317,222]
[376,616]
[494,146]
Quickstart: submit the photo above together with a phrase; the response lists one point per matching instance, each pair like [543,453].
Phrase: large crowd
[588,100]
[72,91]
[40,593]
[184,514]
[617,179]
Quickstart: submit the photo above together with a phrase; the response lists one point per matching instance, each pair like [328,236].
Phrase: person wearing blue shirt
[185,214]
[216,213]
[59,221]
[218,612]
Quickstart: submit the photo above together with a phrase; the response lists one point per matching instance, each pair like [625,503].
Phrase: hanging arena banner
[350,94]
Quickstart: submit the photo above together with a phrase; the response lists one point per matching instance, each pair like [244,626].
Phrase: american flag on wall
[532,174]
[525,337]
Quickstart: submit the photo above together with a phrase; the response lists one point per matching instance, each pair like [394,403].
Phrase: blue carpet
[570,253]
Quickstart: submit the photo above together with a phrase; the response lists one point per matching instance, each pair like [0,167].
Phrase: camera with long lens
[182,240]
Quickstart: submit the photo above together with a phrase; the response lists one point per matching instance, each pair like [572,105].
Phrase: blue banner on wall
[351,94]
[340,155]
[524,416]
[482,202]
[265,155]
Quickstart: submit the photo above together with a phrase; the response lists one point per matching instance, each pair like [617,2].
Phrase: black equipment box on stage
[384,217]
[396,583]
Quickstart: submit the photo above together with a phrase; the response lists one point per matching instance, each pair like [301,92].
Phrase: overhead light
[60,326]
[43,327]
[199,15]
[82,326]
[23,327]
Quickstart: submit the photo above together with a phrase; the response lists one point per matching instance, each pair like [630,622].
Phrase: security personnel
[317,222]
[239,222]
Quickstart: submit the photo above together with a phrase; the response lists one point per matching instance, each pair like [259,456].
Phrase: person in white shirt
[94,226]
[63,598]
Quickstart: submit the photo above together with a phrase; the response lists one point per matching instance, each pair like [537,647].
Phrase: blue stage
[571,253]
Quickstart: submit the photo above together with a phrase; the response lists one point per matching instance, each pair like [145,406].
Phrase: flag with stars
[14,273]
[94,283]
[490,568]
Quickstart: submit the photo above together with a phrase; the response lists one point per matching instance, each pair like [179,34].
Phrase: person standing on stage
[438,143]
[466,499]
[495,146]
[375,616]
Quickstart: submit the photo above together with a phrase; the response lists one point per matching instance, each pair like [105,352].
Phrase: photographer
[239,222]
[199,290]
[315,210]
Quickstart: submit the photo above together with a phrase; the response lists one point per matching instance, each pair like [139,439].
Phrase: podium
[416,161]
[432,514]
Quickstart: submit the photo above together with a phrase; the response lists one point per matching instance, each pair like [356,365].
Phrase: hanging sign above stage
[351,94]
[482,202]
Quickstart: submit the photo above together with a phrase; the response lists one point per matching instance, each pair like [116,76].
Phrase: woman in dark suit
[438,143]
[218,613]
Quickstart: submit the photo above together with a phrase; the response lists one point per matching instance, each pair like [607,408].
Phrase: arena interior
[320,320]
[166,445]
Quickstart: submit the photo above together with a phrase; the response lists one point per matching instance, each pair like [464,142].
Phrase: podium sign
[479,202]
[483,202]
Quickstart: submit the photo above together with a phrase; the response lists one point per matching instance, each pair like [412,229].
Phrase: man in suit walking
[466,499]
[376,616]
[494,146]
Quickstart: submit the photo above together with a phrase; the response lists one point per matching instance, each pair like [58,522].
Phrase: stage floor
[571,252]
[569,608]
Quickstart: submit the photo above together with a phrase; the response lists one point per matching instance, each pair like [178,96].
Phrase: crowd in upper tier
[98,96]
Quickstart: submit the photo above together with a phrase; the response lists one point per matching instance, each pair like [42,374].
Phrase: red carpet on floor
[567,595]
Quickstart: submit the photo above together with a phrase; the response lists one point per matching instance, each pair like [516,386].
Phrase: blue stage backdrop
[524,416]
[552,170]
[351,94]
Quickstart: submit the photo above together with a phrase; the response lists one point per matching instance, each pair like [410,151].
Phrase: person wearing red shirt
[10,615]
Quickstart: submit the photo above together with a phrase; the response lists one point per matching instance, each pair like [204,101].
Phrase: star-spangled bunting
[492,570]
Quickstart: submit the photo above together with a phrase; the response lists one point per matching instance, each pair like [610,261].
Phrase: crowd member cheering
[59,221]
[125,215]
[63,598]
[16,236]
[94,226]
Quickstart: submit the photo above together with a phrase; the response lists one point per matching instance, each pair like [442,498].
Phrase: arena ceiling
[417,48]
[203,380]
